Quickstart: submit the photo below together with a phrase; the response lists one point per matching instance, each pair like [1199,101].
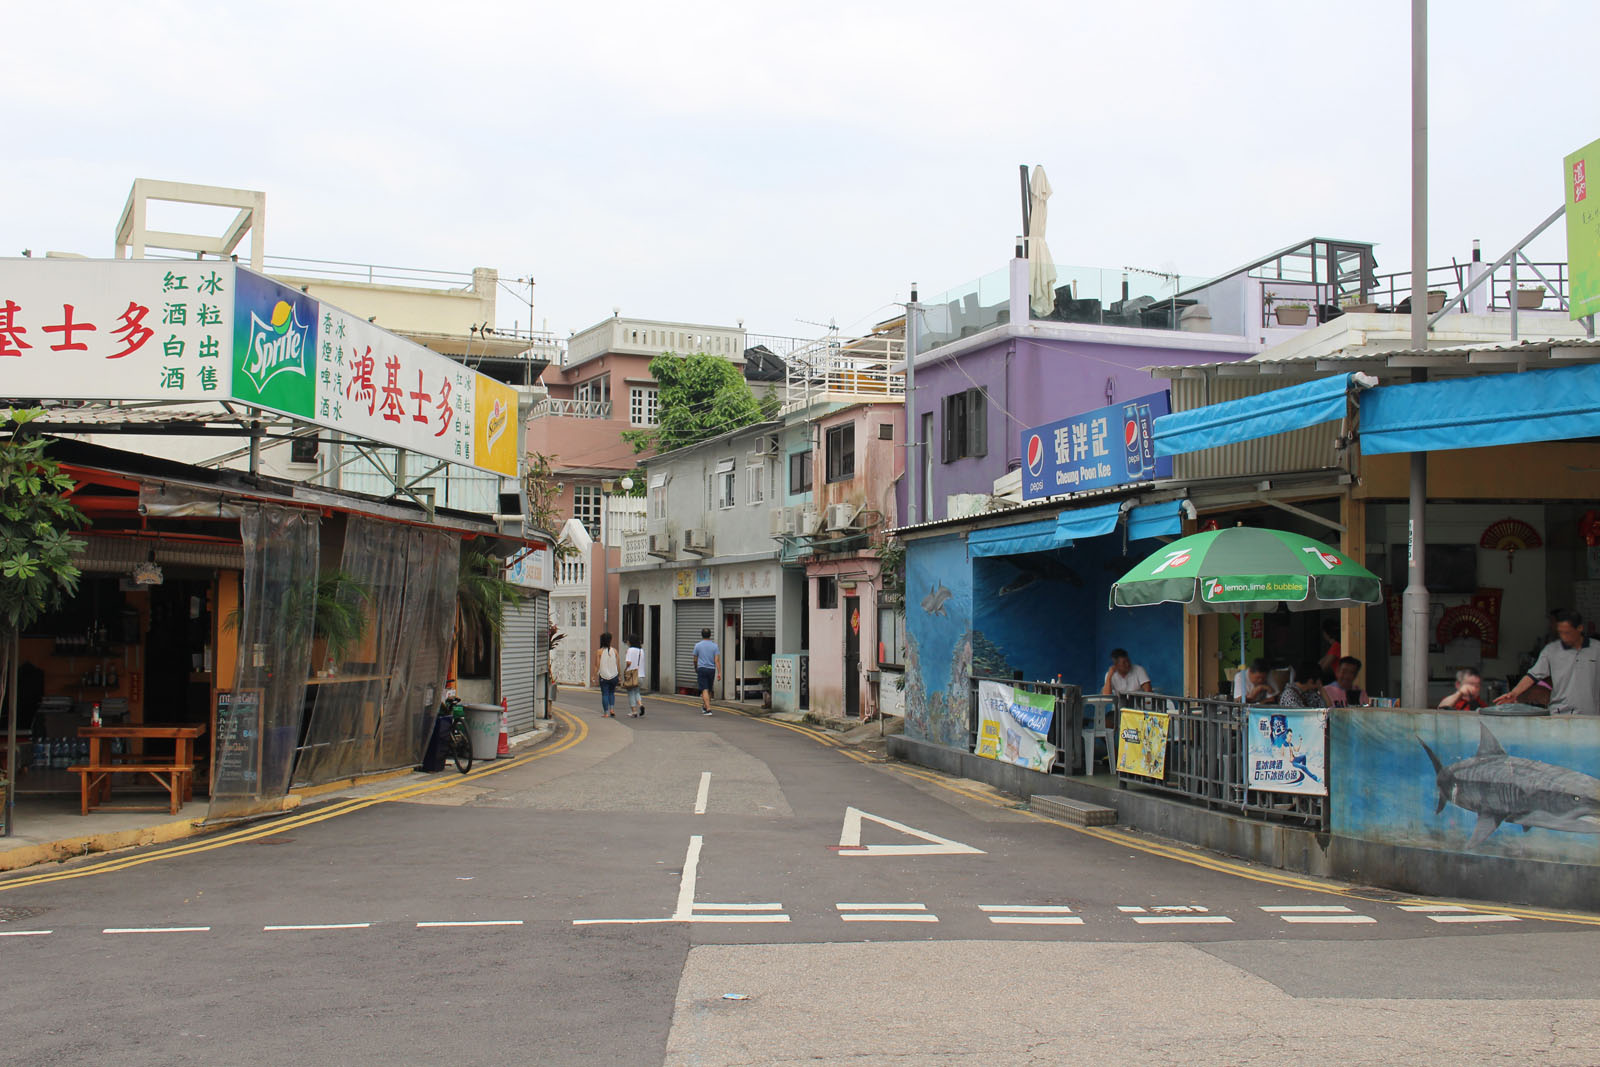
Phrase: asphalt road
[724,890]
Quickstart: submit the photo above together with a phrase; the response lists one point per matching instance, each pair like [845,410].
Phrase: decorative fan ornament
[1488,602]
[1510,536]
[1464,620]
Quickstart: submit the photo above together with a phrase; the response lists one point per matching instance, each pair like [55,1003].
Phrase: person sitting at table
[1344,693]
[1253,685]
[1125,676]
[1306,690]
[1468,692]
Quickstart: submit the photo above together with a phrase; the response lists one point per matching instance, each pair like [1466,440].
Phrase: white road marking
[1036,920]
[738,907]
[850,839]
[1180,919]
[704,794]
[25,933]
[687,911]
[1434,907]
[897,917]
[1051,909]
[1347,920]
[1488,917]
[472,922]
[882,907]
[1327,914]
[737,919]
[320,926]
[156,930]
[691,866]
[1130,909]
[1328,908]
[1455,913]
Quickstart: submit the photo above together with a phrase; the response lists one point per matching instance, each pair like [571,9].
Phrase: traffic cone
[504,750]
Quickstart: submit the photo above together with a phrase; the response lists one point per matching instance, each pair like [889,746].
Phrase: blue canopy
[1088,522]
[1156,520]
[1558,404]
[1040,536]
[1251,417]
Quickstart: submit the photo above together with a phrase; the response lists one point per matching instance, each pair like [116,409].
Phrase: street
[724,890]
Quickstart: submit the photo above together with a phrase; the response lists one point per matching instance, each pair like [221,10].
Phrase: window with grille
[841,458]
[891,636]
[725,484]
[586,503]
[643,401]
[966,424]
[800,472]
[827,592]
[755,484]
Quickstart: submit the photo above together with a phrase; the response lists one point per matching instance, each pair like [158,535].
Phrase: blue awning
[1558,404]
[1040,536]
[1156,520]
[1251,417]
[1088,522]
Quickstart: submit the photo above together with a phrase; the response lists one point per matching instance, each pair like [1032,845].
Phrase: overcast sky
[791,164]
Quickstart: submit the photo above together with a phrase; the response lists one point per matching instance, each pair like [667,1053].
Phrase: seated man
[1467,695]
[1253,685]
[1306,690]
[1125,676]
[1344,693]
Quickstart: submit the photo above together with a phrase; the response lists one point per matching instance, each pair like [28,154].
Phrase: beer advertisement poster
[1142,743]
[1286,752]
[1014,726]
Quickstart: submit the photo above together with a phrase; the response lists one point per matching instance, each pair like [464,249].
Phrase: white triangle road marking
[850,839]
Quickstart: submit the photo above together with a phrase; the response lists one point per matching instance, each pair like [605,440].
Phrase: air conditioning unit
[697,541]
[661,545]
[779,524]
[809,520]
[840,516]
[766,445]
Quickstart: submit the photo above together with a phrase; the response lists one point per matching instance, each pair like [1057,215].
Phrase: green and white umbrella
[1239,570]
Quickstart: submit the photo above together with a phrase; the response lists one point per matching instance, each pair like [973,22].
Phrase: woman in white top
[605,673]
[633,677]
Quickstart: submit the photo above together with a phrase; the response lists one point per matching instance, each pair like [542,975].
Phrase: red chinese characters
[131,332]
[361,387]
[11,342]
[447,413]
[392,392]
[421,398]
[66,327]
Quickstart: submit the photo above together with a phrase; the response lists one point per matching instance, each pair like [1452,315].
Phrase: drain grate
[16,913]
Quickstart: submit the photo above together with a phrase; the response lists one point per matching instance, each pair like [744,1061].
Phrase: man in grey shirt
[1570,665]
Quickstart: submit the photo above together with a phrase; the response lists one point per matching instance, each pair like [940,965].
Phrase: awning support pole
[1414,625]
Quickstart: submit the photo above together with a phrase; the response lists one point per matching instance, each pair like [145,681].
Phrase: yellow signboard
[1142,742]
[494,426]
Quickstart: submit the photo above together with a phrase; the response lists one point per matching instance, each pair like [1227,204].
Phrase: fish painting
[933,603]
[1499,788]
[1018,584]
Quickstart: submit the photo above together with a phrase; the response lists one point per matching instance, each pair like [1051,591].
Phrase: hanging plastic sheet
[258,723]
[374,704]
[1156,520]
[1038,536]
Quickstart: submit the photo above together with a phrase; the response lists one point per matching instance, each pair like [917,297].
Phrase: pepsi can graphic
[1147,441]
[1131,439]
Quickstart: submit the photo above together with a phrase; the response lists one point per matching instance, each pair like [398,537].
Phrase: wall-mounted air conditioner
[840,516]
[697,541]
[661,545]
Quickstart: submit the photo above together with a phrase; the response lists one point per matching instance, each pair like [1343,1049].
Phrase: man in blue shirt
[707,667]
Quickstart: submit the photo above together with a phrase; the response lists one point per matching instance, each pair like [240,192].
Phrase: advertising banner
[1583,232]
[1013,726]
[1286,752]
[1082,452]
[1142,743]
[1228,590]
[166,330]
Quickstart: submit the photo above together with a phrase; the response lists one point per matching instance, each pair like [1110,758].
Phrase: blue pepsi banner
[1082,452]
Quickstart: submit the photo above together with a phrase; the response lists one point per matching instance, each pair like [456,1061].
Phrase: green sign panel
[274,346]
[1583,231]
[1285,587]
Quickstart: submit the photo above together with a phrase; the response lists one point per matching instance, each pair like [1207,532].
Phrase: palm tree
[482,596]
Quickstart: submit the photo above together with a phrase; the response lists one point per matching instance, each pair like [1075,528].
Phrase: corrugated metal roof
[1308,448]
[1460,360]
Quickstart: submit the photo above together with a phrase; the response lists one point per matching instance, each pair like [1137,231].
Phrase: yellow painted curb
[72,847]
[349,783]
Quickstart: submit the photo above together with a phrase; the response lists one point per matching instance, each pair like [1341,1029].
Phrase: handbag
[630,678]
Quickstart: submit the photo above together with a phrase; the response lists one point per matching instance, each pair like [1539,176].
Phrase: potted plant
[765,670]
[1435,300]
[1293,314]
[1530,297]
[1358,304]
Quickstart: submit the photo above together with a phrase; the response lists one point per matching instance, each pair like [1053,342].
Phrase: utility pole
[1414,626]
[913,420]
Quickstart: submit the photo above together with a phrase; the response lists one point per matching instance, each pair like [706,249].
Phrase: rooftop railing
[561,407]
[859,369]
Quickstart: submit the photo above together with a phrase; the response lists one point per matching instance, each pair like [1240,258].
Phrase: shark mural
[1500,788]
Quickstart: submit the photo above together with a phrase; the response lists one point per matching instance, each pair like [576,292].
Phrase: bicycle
[460,748]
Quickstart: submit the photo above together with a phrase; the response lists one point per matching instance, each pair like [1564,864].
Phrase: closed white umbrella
[1041,268]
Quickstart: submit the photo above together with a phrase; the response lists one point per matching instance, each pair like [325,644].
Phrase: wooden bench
[95,781]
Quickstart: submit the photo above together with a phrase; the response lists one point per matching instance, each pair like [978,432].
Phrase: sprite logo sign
[281,346]
[274,345]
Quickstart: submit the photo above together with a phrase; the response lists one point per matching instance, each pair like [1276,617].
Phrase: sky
[791,166]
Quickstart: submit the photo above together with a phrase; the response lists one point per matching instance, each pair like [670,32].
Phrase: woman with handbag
[605,673]
[632,670]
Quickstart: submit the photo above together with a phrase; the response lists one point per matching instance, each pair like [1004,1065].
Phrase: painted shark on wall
[1500,788]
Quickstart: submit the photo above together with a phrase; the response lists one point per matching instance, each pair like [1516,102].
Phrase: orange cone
[505,733]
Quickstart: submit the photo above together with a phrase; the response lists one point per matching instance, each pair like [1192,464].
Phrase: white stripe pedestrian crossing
[1325,914]
[1455,913]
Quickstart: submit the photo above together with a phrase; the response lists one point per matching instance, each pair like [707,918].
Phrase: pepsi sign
[1096,449]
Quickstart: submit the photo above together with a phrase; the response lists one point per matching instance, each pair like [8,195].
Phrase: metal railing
[560,407]
[368,273]
[1066,725]
[1206,761]
[862,368]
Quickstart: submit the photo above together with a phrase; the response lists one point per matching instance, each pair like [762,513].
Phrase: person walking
[605,672]
[707,667]
[633,677]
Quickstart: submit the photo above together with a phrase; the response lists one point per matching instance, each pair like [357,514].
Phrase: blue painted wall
[938,639]
[1384,788]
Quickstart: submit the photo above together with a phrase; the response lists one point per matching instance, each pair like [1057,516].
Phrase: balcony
[560,407]
[572,574]
[641,337]
[636,550]
[845,371]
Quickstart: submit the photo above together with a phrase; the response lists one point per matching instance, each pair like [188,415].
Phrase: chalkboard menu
[237,772]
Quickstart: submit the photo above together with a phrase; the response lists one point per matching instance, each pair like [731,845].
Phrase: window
[966,425]
[643,401]
[586,507]
[891,636]
[886,431]
[303,450]
[841,453]
[658,497]
[800,472]
[827,592]
[925,451]
[597,390]
[725,483]
[755,484]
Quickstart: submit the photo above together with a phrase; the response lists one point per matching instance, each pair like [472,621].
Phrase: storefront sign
[1142,743]
[702,581]
[214,331]
[691,584]
[528,568]
[1583,231]
[1013,726]
[1100,448]
[748,581]
[1286,752]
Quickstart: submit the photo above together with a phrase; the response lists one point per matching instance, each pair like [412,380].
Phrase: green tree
[701,396]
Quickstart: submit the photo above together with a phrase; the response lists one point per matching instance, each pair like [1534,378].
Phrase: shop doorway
[652,650]
[732,662]
[177,683]
[852,657]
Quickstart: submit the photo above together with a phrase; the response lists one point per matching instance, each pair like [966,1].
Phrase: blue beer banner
[1093,450]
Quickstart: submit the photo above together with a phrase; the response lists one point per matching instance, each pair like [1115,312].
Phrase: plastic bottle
[94,716]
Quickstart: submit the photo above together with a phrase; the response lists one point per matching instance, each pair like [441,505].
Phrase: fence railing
[1205,761]
[557,407]
[1066,725]
[636,550]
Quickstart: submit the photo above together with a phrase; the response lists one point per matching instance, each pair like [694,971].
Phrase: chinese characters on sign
[1583,232]
[1286,752]
[1096,449]
[747,581]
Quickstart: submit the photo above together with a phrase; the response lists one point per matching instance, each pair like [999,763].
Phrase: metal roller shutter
[518,647]
[760,616]
[541,654]
[689,618]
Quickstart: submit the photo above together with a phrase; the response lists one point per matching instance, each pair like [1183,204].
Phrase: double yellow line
[1161,850]
[576,728]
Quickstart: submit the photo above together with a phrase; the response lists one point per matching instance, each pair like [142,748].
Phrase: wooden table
[175,775]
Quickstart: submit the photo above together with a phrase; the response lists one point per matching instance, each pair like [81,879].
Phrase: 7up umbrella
[1240,569]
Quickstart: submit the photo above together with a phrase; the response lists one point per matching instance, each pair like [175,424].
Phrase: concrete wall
[403,308]
[829,627]
[740,530]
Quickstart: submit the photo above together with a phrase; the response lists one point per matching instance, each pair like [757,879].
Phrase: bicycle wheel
[461,749]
